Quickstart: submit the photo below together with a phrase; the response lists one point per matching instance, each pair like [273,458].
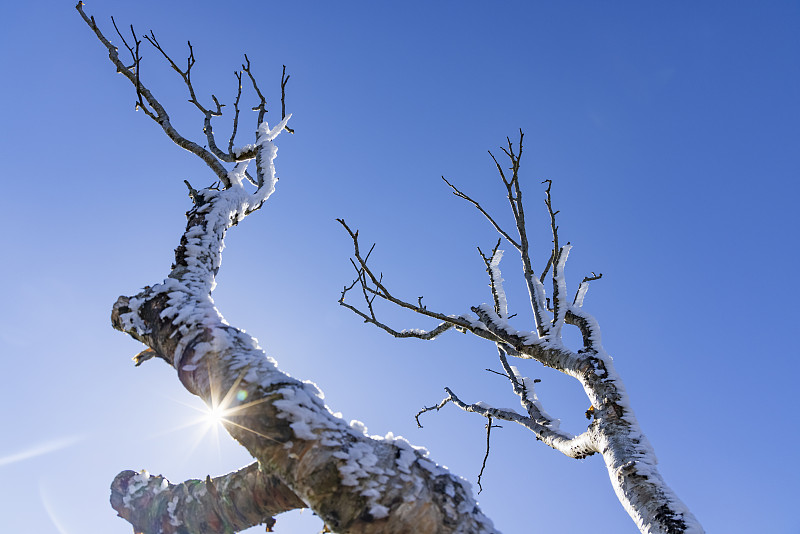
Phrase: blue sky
[670,133]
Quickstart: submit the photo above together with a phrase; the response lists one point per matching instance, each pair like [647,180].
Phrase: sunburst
[219,413]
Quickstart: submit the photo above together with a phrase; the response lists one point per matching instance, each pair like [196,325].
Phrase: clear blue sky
[670,132]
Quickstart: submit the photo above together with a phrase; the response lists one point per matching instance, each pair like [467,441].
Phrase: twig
[547,267]
[262,105]
[284,81]
[514,194]
[157,111]
[436,407]
[558,258]
[372,286]
[496,285]
[238,75]
[497,227]
[583,287]
[489,427]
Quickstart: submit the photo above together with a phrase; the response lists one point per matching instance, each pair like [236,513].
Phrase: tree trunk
[355,483]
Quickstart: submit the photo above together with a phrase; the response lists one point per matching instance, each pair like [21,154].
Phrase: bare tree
[613,431]
[305,455]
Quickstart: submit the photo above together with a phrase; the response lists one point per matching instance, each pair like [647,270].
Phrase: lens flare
[216,414]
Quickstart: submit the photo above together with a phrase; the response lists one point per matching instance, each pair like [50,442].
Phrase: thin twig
[373,284]
[489,427]
[238,75]
[262,105]
[158,113]
[546,268]
[583,287]
[560,305]
[436,407]
[514,194]
[284,81]
[495,285]
[466,197]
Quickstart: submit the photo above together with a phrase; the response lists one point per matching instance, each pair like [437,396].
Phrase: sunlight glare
[48,508]
[215,415]
[219,415]
[44,448]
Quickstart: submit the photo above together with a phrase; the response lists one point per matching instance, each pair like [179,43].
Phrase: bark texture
[306,455]
[355,483]
[614,431]
[239,500]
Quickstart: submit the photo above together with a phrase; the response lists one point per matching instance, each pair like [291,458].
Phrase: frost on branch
[306,456]
[614,432]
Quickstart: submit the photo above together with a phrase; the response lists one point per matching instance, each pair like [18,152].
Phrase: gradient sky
[670,131]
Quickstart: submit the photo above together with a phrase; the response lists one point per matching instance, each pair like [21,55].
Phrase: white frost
[582,289]
[494,267]
[171,506]
[378,511]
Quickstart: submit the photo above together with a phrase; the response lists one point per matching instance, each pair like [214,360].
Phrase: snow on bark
[497,284]
[354,482]
[614,431]
[560,305]
[239,500]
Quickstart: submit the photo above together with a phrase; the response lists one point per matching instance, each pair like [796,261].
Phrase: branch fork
[613,432]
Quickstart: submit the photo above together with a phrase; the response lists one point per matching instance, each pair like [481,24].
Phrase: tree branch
[614,431]
[158,113]
[514,193]
[583,287]
[353,482]
[229,503]
[558,260]
[469,199]
[284,80]
[147,102]
[489,427]
[372,284]
[238,75]
[573,446]
[492,263]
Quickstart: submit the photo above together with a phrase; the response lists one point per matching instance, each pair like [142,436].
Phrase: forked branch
[372,287]
[613,431]
[213,156]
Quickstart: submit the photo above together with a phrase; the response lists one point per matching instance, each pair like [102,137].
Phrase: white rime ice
[494,267]
[369,465]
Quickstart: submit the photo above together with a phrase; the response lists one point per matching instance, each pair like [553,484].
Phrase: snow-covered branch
[492,263]
[229,503]
[306,455]
[614,431]
[146,101]
[354,482]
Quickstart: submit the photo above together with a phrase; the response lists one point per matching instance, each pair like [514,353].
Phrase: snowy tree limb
[354,482]
[307,455]
[145,98]
[614,431]
[150,105]
[492,263]
[514,193]
[229,503]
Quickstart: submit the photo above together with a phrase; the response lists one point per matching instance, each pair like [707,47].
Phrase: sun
[220,414]
[215,415]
